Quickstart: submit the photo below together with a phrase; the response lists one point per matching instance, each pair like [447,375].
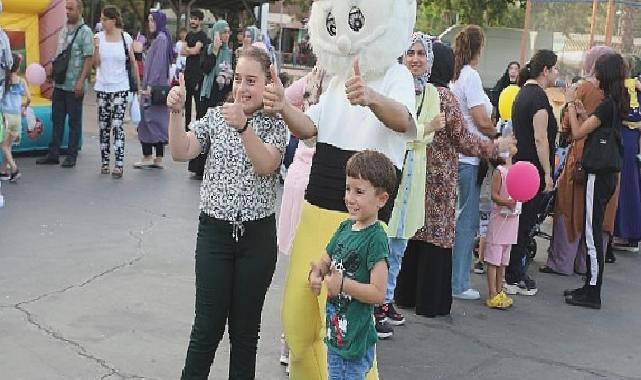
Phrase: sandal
[105,169]
[547,269]
[116,173]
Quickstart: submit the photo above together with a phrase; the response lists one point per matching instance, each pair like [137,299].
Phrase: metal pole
[595,6]
[526,32]
[609,23]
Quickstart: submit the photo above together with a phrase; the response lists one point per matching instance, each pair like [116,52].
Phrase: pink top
[502,229]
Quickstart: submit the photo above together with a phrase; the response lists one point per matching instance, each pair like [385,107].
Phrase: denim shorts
[343,369]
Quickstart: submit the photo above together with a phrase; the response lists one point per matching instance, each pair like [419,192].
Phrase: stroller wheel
[531,249]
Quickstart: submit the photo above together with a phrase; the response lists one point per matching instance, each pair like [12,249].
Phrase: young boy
[354,268]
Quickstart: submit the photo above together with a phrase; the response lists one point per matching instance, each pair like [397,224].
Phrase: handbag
[603,151]
[159,95]
[133,86]
[61,62]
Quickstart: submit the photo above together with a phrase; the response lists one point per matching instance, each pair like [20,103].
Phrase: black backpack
[61,62]
[603,151]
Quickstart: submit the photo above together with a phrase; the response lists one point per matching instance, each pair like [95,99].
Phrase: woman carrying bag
[602,158]
[114,60]
[152,129]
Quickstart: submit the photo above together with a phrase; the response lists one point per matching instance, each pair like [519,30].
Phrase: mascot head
[377,31]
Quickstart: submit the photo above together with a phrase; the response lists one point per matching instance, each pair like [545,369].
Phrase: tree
[434,16]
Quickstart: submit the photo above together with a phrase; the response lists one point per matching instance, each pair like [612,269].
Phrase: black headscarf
[443,67]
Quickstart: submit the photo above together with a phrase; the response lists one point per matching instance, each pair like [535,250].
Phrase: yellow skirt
[303,313]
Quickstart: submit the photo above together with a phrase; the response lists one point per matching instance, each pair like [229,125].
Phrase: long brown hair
[467,46]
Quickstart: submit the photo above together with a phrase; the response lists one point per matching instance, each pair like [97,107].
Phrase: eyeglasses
[420,53]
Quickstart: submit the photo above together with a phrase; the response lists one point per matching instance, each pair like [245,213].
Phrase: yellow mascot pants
[303,313]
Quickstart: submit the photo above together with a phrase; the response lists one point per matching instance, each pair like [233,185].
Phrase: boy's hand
[333,282]
[315,279]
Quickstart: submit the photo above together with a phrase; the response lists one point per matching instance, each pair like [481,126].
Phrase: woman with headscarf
[509,77]
[218,79]
[566,255]
[152,129]
[426,272]
[408,214]
[250,37]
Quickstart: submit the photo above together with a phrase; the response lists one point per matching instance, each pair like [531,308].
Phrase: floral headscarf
[426,40]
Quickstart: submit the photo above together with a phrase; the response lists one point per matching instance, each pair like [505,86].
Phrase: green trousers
[232,278]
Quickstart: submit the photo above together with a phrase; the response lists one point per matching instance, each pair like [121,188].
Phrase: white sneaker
[470,294]
[144,164]
[1,201]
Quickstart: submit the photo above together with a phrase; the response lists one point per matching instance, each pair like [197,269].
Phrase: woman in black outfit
[610,73]
[509,77]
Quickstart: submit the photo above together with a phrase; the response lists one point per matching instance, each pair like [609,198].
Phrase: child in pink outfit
[501,234]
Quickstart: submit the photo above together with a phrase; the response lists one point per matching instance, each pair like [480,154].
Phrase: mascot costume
[353,40]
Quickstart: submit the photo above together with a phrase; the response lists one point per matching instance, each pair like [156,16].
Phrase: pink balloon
[522,181]
[35,74]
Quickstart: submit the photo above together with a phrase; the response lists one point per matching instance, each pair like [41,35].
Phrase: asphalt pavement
[97,282]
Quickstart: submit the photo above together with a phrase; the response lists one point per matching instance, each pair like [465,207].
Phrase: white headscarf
[426,40]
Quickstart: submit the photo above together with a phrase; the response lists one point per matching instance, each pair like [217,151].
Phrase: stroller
[547,208]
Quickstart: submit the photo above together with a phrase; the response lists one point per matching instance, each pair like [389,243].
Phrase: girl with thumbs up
[236,243]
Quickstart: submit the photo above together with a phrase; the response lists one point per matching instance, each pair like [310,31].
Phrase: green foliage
[434,16]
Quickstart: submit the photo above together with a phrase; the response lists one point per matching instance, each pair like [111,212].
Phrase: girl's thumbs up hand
[177,95]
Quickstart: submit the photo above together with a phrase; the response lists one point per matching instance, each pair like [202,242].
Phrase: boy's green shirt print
[349,322]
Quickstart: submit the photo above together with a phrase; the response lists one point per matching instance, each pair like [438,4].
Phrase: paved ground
[96,282]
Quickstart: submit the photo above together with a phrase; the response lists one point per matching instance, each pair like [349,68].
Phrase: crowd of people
[430,160]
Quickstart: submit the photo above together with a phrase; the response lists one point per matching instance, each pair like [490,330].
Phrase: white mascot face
[378,31]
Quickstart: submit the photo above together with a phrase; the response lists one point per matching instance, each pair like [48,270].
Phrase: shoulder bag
[132,80]
[603,151]
[61,62]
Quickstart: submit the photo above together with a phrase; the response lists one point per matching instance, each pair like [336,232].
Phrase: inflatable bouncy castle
[32,27]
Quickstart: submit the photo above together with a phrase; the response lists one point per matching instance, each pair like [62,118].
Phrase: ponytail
[541,60]
[467,46]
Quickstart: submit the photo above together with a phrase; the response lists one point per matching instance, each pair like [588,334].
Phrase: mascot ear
[411,16]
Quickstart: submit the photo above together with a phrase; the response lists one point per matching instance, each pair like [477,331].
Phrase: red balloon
[523,181]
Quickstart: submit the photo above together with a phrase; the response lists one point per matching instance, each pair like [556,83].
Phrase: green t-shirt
[81,49]
[350,324]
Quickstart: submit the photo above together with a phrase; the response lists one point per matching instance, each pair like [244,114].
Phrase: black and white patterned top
[231,190]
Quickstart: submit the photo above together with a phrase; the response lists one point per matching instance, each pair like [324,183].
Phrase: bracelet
[240,131]
[342,283]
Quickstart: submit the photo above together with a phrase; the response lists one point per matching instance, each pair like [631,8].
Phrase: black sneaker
[525,287]
[394,318]
[48,160]
[379,313]
[5,176]
[383,329]
[583,299]
[569,292]
[69,162]
[15,175]
[479,268]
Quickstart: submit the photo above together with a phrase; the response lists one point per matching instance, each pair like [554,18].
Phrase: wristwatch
[243,129]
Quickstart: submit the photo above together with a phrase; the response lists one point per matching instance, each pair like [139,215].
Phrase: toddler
[12,109]
[501,234]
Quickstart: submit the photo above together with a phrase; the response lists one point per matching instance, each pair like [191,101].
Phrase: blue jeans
[397,245]
[467,225]
[340,368]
